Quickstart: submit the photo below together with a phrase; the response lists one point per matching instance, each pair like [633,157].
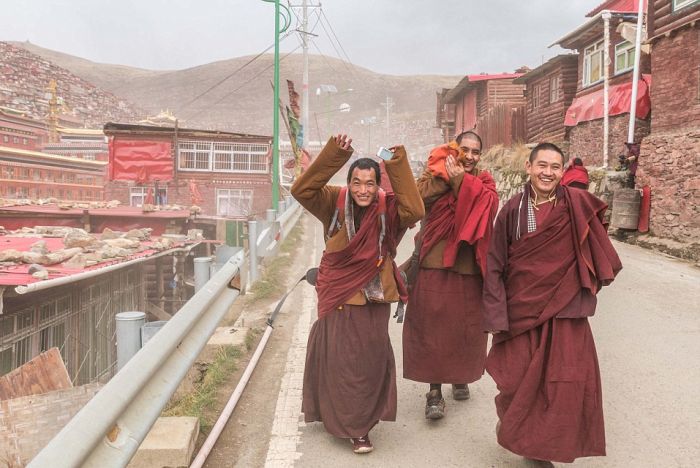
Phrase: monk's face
[471,149]
[363,186]
[545,171]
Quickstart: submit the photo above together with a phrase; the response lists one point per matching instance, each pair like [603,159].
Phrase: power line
[242,85]
[335,36]
[330,39]
[220,82]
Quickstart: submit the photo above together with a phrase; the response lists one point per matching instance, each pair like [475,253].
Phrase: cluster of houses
[562,101]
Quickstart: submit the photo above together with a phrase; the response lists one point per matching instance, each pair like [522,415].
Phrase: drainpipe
[606,85]
[635,73]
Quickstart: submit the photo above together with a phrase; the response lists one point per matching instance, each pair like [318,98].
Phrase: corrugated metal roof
[18,275]
[119,211]
[51,157]
[622,6]
[111,128]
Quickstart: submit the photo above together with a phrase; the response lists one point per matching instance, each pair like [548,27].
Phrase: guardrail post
[253,250]
[271,215]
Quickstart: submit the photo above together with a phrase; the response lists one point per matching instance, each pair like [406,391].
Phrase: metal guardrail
[269,234]
[110,428]
[108,431]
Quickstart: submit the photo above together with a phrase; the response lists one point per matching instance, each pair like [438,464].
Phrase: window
[234,202]
[223,157]
[195,156]
[5,139]
[24,141]
[593,64]
[137,196]
[554,88]
[678,4]
[624,57]
[15,140]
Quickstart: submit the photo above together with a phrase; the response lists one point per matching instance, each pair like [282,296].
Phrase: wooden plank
[45,373]
[158,312]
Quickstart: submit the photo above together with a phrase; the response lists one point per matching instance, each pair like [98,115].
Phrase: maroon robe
[539,291]
[442,338]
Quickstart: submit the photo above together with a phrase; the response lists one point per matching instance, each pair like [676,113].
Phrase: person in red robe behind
[549,256]
[442,337]
[576,175]
[350,372]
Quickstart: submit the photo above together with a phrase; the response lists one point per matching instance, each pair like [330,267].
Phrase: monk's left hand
[453,168]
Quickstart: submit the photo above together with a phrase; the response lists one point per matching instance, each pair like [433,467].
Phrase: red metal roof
[621,6]
[119,211]
[18,275]
[499,76]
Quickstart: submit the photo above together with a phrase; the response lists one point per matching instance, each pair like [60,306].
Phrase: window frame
[224,157]
[225,194]
[595,49]
[680,4]
[626,51]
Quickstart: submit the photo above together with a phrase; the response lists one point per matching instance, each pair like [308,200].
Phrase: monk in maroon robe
[350,373]
[549,256]
[443,341]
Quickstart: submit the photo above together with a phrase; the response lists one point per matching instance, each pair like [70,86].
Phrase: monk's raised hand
[343,141]
[453,168]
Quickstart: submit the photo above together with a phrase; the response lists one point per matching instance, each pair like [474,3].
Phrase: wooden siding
[504,125]
[504,92]
[662,18]
[546,121]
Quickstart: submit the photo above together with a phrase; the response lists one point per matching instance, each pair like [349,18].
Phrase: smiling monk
[549,256]
[350,373]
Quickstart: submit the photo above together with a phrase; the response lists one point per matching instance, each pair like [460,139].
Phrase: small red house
[226,174]
[476,95]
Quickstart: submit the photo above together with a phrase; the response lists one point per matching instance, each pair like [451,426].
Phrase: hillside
[24,78]
[243,102]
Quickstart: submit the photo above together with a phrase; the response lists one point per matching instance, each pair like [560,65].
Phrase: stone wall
[675,91]
[586,139]
[670,165]
[28,423]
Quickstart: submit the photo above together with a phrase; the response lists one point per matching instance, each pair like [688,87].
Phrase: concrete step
[170,443]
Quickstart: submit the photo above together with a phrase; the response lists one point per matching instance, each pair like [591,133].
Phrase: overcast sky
[389,36]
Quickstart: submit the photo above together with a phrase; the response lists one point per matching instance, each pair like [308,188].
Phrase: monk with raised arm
[350,373]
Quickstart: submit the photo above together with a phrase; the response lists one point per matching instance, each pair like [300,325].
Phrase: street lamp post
[275,106]
[369,121]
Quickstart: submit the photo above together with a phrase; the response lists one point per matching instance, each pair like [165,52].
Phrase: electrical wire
[336,37]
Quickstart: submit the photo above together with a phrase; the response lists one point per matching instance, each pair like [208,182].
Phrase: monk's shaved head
[546,146]
[469,135]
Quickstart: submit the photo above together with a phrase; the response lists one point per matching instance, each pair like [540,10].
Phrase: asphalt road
[647,331]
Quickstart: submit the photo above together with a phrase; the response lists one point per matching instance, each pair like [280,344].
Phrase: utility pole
[276,118]
[387,105]
[305,76]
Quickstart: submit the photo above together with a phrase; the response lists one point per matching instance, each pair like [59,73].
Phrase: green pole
[276,114]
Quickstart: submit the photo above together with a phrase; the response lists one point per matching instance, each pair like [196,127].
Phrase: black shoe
[460,391]
[435,405]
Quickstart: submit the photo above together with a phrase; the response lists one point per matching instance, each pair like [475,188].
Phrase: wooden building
[34,175]
[445,115]
[668,163]
[550,89]
[585,114]
[475,95]
[227,174]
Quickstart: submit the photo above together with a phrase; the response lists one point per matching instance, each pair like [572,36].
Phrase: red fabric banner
[140,160]
[590,106]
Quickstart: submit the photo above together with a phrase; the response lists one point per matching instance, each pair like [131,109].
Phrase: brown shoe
[435,405]
[460,391]
[362,444]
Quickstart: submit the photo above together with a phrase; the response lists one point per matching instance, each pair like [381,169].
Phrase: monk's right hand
[343,141]
[453,168]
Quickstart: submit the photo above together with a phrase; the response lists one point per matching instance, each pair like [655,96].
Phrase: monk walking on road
[443,341]
[549,256]
[350,373]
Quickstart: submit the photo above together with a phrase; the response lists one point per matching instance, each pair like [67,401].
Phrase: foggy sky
[446,37]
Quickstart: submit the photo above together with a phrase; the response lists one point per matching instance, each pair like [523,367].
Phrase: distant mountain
[243,101]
